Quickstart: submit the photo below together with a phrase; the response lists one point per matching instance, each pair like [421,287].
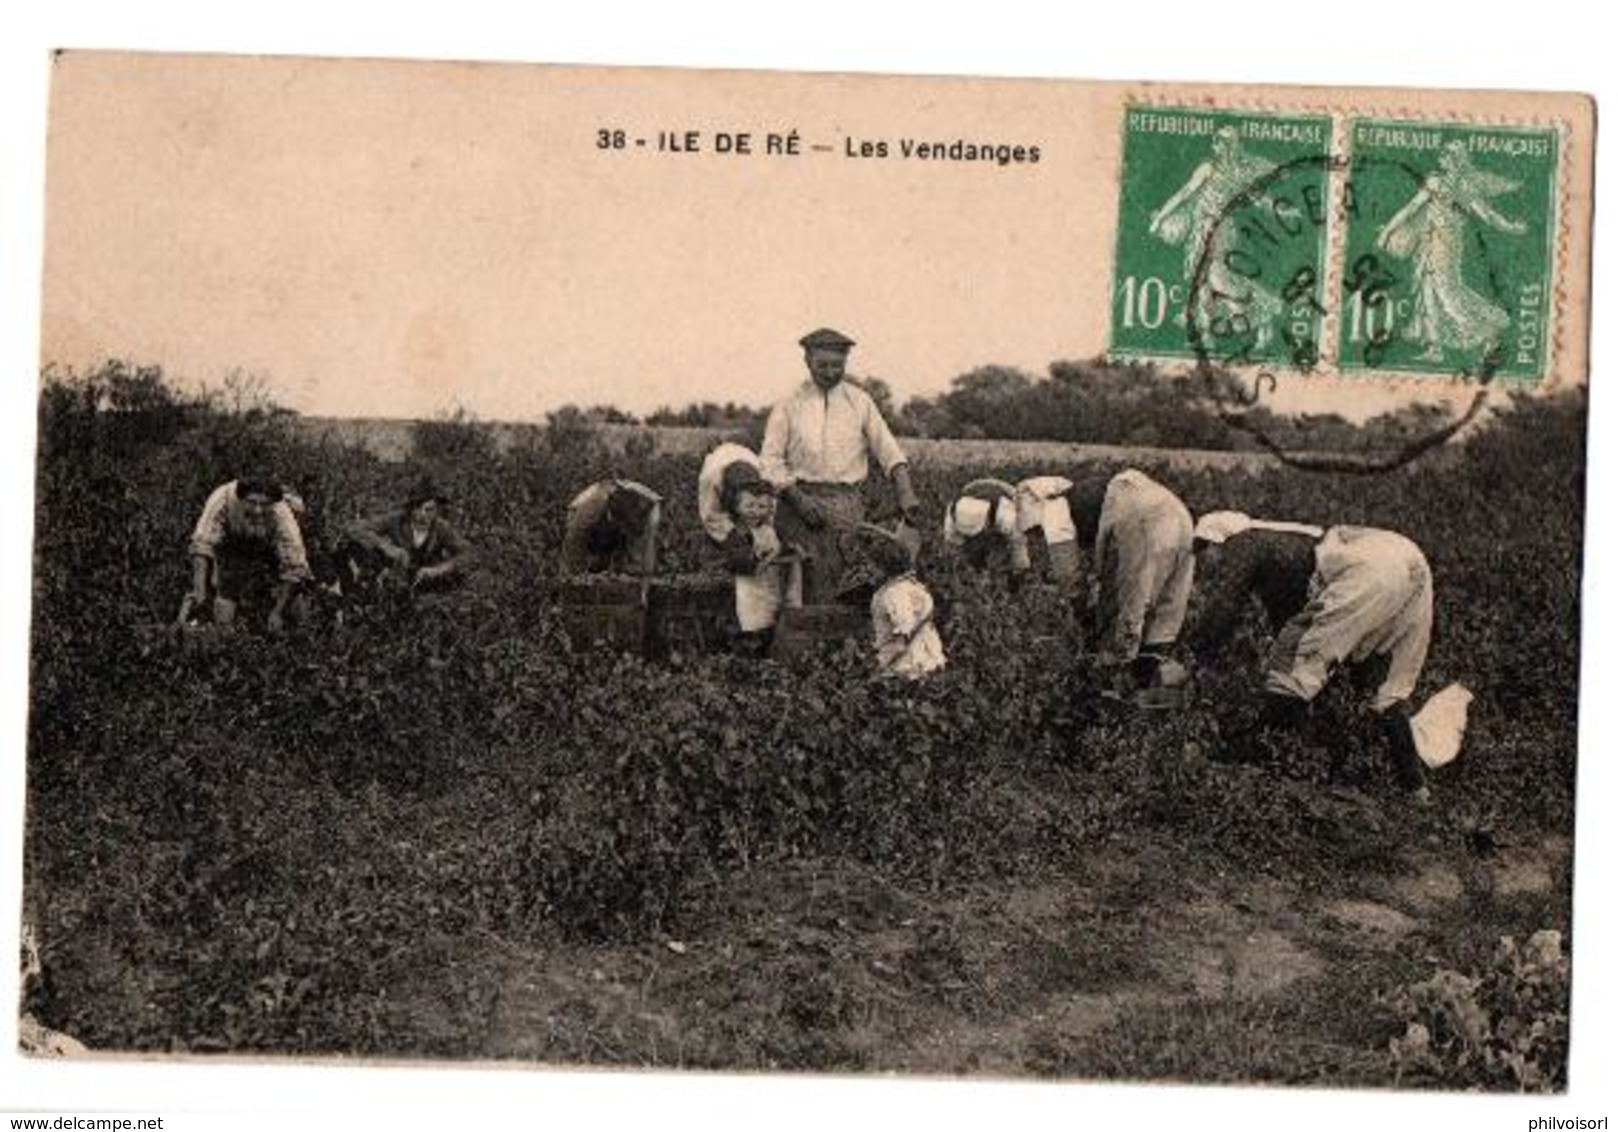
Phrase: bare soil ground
[1143,964]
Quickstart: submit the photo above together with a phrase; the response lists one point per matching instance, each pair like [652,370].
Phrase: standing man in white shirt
[817,449]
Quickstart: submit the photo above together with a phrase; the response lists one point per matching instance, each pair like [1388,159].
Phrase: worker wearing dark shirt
[1274,566]
[612,525]
[1334,596]
[414,542]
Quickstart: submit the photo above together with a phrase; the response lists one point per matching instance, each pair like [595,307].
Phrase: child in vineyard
[906,639]
[1339,596]
[737,508]
[612,526]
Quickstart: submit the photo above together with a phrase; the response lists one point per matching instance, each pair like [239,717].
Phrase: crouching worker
[1139,534]
[412,546]
[612,527]
[247,549]
[737,508]
[1343,596]
[902,629]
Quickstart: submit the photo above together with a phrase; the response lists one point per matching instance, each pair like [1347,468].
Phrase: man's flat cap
[826,339]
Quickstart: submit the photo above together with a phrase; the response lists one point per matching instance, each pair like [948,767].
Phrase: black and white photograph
[606,575]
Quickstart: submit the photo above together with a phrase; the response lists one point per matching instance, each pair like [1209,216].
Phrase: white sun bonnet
[1217,526]
[1440,725]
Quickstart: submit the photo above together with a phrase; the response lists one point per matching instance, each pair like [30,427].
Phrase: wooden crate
[814,628]
[606,612]
[690,614]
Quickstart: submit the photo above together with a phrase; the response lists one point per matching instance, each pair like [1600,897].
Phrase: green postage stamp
[1221,235]
[1424,248]
[1447,248]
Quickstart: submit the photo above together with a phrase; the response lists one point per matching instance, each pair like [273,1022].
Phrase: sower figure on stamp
[612,526]
[1346,596]
[247,547]
[1430,231]
[737,506]
[413,544]
[1192,218]
[989,525]
[1139,534]
[817,449]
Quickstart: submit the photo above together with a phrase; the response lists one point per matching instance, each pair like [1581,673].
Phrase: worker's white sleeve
[210,528]
[773,453]
[879,439]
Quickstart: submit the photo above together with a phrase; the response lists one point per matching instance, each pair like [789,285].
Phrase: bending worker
[612,526]
[1346,595]
[990,523]
[1140,536]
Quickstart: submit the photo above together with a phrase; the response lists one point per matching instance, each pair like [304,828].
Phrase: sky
[1549,45]
[398,239]
[393,239]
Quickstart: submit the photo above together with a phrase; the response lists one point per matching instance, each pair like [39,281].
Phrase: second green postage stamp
[1221,245]
[1448,248]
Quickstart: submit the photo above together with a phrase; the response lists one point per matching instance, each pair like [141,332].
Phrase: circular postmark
[1258,294]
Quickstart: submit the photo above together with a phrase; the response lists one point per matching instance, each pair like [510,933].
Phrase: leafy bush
[452,439]
[253,843]
[1504,1028]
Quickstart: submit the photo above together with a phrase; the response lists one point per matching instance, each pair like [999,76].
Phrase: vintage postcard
[655,569]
